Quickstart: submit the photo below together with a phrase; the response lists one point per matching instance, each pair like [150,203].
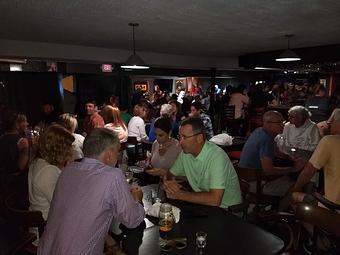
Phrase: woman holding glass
[165,149]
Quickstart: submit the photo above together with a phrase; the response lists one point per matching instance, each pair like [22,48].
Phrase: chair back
[17,208]
[320,217]
[249,175]
[228,112]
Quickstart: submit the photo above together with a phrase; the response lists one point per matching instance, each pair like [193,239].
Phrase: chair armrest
[278,216]
[242,207]
[329,204]
[239,208]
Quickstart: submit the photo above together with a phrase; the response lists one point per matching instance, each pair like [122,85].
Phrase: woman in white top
[114,122]
[54,151]
[240,101]
[69,121]
[136,126]
[300,132]
[165,149]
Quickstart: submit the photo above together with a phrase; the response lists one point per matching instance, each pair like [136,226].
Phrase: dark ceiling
[214,28]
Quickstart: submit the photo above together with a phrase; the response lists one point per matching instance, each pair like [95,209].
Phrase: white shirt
[305,137]
[77,146]
[137,128]
[239,100]
[42,178]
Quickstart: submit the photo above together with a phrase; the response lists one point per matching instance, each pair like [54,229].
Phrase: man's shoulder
[213,150]
[333,140]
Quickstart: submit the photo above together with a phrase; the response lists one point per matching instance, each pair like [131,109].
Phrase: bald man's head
[273,123]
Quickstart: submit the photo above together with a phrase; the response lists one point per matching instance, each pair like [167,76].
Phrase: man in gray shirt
[88,196]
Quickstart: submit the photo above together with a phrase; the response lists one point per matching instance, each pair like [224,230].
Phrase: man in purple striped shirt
[88,196]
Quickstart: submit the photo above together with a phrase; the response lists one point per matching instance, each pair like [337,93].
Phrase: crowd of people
[73,178]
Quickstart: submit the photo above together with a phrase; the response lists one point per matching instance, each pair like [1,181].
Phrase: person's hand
[171,186]
[22,144]
[156,171]
[136,193]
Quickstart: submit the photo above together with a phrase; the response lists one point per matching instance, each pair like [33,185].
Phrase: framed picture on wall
[143,86]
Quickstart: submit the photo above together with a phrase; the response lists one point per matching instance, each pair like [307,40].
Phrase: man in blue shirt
[259,150]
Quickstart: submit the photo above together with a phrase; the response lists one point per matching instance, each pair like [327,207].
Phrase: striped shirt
[88,195]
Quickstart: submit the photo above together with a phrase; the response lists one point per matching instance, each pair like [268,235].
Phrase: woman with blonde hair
[54,151]
[136,126]
[69,121]
[113,121]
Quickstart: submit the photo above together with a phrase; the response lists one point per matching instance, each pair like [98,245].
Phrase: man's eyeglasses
[184,137]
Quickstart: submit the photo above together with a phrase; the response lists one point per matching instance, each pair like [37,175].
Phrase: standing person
[93,119]
[136,126]
[114,122]
[165,149]
[88,196]
[240,101]
[207,168]
[196,110]
[319,104]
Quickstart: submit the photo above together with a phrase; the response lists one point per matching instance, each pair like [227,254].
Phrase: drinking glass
[128,175]
[201,239]
[166,219]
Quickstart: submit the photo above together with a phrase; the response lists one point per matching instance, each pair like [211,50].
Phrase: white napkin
[154,211]
[222,139]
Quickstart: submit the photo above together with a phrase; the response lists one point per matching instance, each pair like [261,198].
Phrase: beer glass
[166,219]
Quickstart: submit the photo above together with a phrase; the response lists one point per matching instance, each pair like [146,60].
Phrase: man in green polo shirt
[206,167]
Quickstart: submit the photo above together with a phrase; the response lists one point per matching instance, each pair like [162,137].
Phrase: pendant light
[288,55]
[134,61]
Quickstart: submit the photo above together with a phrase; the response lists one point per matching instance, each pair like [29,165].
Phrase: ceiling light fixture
[134,61]
[13,60]
[288,55]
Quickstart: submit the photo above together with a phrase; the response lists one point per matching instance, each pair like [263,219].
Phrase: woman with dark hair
[165,149]
[14,149]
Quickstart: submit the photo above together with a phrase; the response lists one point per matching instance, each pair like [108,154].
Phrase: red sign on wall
[107,68]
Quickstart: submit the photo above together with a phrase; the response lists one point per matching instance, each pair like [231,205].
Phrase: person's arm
[156,171]
[213,197]
[126,204]
[269,169]
[142,132]
[314,138]
[23,158]
[304,177]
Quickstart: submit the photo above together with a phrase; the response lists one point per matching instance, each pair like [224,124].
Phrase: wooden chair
[244,206]
[229,122]
[255,118]
[132,147]
[257,198]
[326,226]
[278,223]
